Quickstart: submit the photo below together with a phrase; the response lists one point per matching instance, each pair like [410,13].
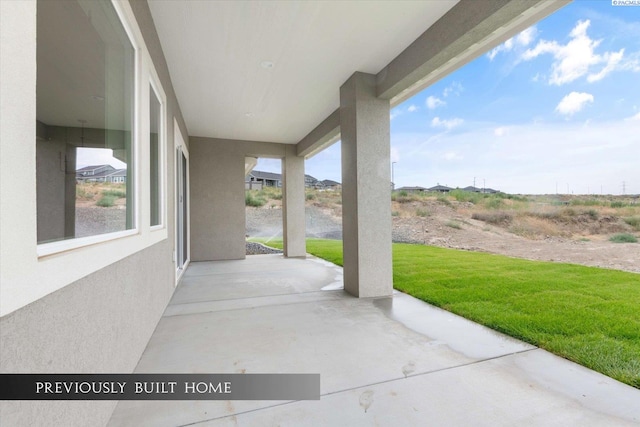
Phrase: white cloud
[527,36]
[613,60]
[448,124]
[434,102]
[452,155]
[500,131]
[635,118]
[573,103]
[394,113]
[578,57]
[395,154]
[523,39]
[412,108]
[455,88]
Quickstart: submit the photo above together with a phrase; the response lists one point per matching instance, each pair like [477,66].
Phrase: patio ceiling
[271,70]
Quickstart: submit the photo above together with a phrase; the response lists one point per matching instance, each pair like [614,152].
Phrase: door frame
[182,206]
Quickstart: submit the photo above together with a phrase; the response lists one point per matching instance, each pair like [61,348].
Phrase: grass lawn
[585,314]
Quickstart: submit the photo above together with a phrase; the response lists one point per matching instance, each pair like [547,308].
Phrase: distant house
[329,184]
[412,189]
[440,189]
[117,177]
[310,182]
[101,173]
[259,179]
[264,179]
[472,189]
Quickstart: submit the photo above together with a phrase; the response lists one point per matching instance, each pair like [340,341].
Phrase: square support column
[293,198]
[366,188]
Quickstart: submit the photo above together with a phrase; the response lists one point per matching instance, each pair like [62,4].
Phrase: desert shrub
[444,200]
[466,196]
[310,196]
[255,200]
[118,194]
[532,227]
[395,213]
[585,202]
[512,197]
[618,204]
[422,212]
[496,218]
[403,193]
[454,224]
[106,201]
[493,203]
[633,221]
[551,215]
[623,238]
[83,193]
[593,214]
[270,193]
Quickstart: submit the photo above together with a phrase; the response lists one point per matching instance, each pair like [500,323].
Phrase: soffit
[215,51]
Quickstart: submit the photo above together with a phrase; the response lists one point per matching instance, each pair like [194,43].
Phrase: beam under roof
[468,30]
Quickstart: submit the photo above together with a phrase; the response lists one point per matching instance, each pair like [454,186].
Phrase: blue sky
[555,107]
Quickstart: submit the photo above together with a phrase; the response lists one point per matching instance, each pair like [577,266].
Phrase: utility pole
[474,182]
[393,180]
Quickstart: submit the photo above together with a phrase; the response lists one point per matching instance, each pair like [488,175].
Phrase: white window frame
[137,42]
[179,146]
[156,87]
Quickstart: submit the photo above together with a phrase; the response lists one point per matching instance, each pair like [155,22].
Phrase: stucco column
[366,188]
[293,220]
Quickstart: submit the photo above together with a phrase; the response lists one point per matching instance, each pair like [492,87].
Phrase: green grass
[623,238]
[422,213]
[585,314]
[253,198]
[106,201]
[633,221]
[454,224]
[118,194]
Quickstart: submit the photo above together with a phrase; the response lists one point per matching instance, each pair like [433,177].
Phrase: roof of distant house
[265,175]
[440,188]
[411,189]
[94,167]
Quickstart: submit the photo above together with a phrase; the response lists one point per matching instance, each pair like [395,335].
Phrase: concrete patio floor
[385,362]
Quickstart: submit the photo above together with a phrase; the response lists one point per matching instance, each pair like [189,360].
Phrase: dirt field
[560,232]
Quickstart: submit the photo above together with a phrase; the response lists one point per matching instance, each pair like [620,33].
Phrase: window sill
[46,249]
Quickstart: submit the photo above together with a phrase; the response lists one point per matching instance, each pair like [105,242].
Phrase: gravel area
[254,248]
[267,222]
[96,220]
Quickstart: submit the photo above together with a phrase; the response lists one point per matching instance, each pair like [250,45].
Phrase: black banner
[159,386]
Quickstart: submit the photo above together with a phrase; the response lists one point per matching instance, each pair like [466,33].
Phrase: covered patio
[382,361]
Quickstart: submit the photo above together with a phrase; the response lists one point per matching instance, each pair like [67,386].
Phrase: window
[155,111]
[84,121]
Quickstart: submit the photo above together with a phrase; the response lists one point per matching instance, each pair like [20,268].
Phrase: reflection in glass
[85,105]
[154,151]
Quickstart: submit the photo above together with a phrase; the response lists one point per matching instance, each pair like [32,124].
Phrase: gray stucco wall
[217,200]
[218,223]
[100,324]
